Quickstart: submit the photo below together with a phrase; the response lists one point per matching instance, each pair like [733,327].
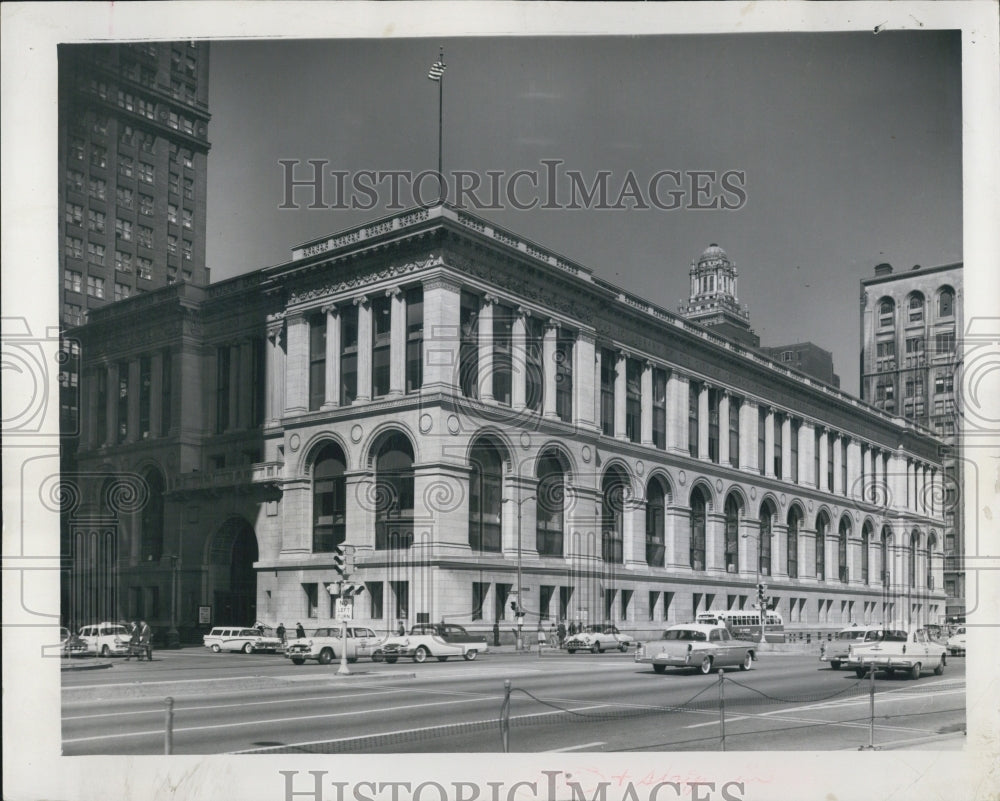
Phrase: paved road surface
[582,702]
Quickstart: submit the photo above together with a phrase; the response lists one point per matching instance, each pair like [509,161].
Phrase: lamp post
[520,607]
[760,593]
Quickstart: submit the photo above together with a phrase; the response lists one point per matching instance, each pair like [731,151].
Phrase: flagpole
[441,130]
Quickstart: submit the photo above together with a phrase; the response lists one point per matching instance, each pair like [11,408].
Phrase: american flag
[437,71]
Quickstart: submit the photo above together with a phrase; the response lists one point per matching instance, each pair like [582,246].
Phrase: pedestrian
[299,631]
[540,637]
[553,636]
[401,629]
[561,631]
[145,641]
[496,632]
[133,641]
[281,633]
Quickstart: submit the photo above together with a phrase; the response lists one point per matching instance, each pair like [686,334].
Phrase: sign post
[345,612]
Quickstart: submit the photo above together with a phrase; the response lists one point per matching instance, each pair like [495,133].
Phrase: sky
[850,144]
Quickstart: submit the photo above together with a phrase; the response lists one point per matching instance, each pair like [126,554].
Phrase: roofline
[884,279]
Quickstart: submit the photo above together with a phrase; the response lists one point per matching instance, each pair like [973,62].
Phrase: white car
[596,638]
[699,646]
[910,652]
[835,652]
[106,639]
[235,638]
[956,642]
[323,645]
[438,640]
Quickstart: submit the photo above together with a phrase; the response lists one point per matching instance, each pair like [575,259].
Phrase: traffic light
[513,607]
[350,590]
[340,561]
[761,592]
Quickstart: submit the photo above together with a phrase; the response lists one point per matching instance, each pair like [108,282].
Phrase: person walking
[145,641]
[133,641]
[561,632]
[281,633]
[299,631]
[496,632]
[401,629]
[540,637]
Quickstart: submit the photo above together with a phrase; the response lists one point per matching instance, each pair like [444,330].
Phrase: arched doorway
[232,580]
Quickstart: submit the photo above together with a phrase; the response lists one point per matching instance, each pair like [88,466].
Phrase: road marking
[267,721]
[571,748]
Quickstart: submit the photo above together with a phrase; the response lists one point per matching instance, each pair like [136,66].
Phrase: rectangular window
[95,220]
[609,371]
[945,343]
[72,280]
[147,173]
[98,188]
[189,189]
[222,362]
[74,248]
[565,596]
[317,361]
[174,185]
[166,383]
[534,348]
[122,291]
[123,229]
[145,236]
[171,213]
[187,218]
[830,445]
[545,593]
[660,408]
[76,148]
[74,214]
[73,314]
[503,324]
[123,261]
[124,197]
[126,167]
[401,592]
[626,603]
[381,311]
[171,244]
[187,250]
[145,267]
[95,286]
[98,156]
[469,346]
[311,591]
[761,438]
[479,592]
[734,431]
[843,466]
[95,254]
[633,399]
[816,465]
[146,205]
[414,339]
[376,593]
[794,455]
[348,355]
[145,393]
[779,444]
[74,181]
[693,390]
[123,391]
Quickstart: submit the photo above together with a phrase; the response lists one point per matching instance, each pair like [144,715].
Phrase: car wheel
[660,668]
[940,667]
[391,660]
[747,661]
[915,671]
[352,659]
[623,647]
[860,672]
[706,665]
[471,655]
[298,660]
[442,659]
[571,650]
[595,648]
[835,664]
[377,656]
[105,651]
[216,648]
[421,654]
[326,656]
[248,648]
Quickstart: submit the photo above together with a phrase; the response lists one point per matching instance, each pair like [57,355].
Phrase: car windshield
[684,634]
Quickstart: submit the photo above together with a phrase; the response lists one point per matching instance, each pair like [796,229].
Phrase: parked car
[700,646]
[105,639]
[835,652]
[236,638]
[440,640]
[911,652]
[323,645]
[956,642]
[70,644]
[598,637]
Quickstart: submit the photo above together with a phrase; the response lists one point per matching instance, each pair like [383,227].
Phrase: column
[769,443]
[275,371]
[331,380]
[155,393]
[364,349]
[442,337]
[677,412]
[235,353]
[748,435]
[786,448]
[583,380]
[634,533]
[297,370]
[715,541]
[647,407]
[724,427]
[824,456]
[853,468]
[397,341]
[833,441]
[703,421]
[549,369]
[111,405]
[807,446]
[519,360]
[486,348]
[620,363]
[924,505]
[878,474]
[936,493]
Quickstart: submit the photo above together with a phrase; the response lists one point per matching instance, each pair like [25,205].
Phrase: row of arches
[914,304]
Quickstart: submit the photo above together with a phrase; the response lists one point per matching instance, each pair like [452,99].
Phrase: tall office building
[133,145]
[909,327]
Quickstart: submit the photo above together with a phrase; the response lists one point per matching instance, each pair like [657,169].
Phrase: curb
[85,666]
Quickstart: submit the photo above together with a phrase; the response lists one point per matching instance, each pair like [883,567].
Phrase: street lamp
[520,606]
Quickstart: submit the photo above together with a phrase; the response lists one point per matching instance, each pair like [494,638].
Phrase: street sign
[344,610]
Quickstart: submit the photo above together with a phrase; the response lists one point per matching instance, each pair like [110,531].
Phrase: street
[559,702]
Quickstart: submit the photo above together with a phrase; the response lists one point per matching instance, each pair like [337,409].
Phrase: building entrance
[232,577]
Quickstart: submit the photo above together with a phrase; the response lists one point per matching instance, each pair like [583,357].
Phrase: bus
[744,624]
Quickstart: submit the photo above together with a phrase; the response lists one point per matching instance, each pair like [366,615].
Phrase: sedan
[699,646]
[597,638]
[956,642]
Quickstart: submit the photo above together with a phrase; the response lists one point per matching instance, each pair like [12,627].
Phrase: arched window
[697,546]
[946,302]
[764,547]
[822,524]
[485,498]
[883,556]
[886,312]
[152,518]
[843,572]
[394,493]
[866,540]
[792,550]
[655,522]
[915,308]
[931,545]
[329,499]
[912,559]
[613,515]
[732,511]
[549,505]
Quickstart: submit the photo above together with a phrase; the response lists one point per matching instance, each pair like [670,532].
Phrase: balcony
[243,478]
